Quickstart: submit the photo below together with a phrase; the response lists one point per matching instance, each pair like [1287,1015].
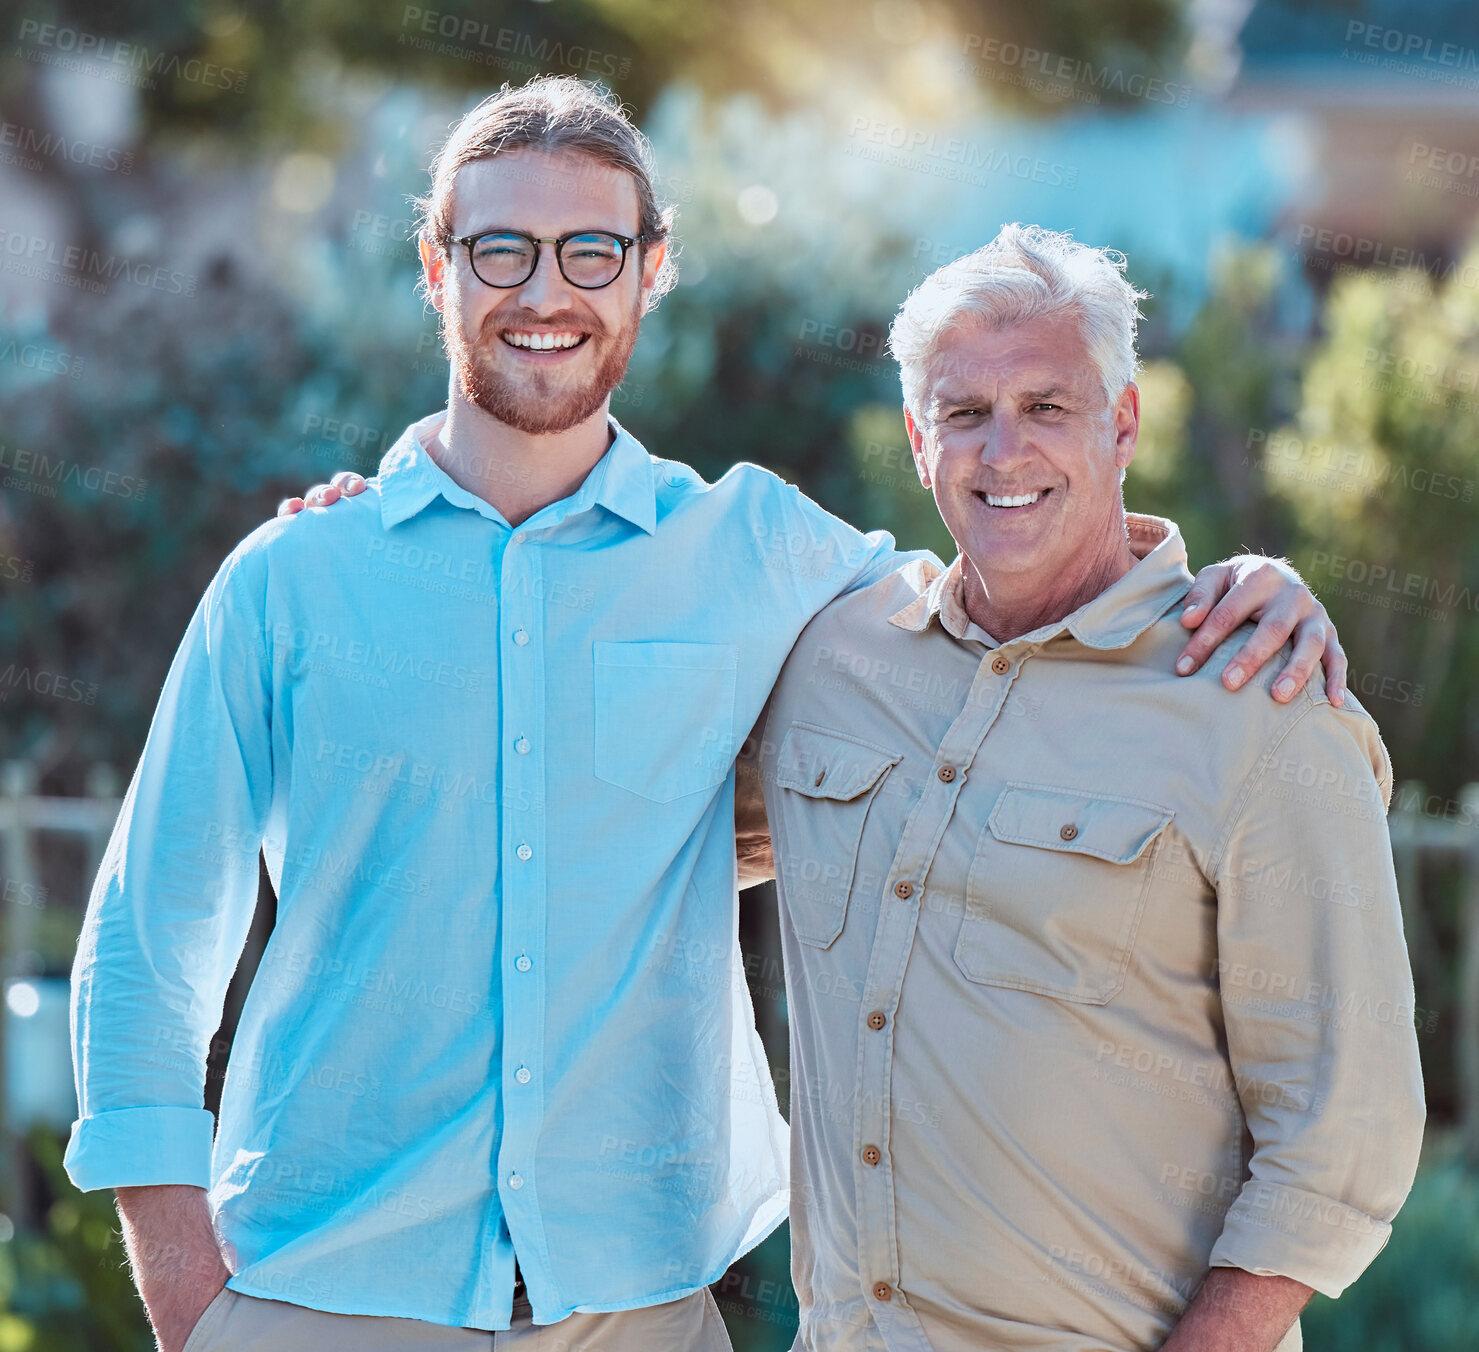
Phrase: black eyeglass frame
[559,241]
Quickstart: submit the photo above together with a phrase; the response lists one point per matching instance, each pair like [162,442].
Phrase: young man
[481,721]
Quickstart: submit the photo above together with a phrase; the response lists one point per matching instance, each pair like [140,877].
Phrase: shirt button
[877,1019]
[519,537]
[522,963]
[1069,832]
[1000,665]
[522,1075]
[882,1291]
[903,891]
[521,637]
[522,746]
[871,1154]
[515,1181]
[946,773]
[524,852]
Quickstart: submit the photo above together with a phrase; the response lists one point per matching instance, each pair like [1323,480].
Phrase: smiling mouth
[1012,501]
[532,340]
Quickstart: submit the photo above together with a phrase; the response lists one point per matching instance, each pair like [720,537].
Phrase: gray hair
[1024,273]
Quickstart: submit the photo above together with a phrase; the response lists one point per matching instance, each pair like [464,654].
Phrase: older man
[1101,1013]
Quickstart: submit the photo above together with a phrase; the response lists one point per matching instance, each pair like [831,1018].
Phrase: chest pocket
[1056,891]
[665,716]
[827,782]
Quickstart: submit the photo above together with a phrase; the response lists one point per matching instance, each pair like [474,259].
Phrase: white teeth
[1021,500]
[542,342]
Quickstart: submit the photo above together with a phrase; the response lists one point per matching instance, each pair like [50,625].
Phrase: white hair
[1024,273]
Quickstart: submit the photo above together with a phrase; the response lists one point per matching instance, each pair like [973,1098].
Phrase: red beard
[539,402]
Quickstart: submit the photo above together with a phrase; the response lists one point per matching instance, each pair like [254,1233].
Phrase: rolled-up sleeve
[1318,1002]
[172,904]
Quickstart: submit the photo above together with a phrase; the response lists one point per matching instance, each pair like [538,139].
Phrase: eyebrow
[514,230]
[945,398]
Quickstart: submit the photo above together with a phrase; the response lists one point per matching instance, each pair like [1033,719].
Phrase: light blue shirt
[503,1008]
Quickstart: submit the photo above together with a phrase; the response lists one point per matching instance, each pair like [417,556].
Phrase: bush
[1419,1294]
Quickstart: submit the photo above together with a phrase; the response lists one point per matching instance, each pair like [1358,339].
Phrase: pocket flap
[1116,830]
[823,764]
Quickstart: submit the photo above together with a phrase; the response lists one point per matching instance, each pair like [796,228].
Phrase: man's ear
[1127,425]
[433,271]
[916,444]
[652,257]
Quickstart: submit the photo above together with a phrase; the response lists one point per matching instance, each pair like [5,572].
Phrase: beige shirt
[1095,973]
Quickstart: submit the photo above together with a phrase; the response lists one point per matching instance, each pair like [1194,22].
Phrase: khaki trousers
[234,1322]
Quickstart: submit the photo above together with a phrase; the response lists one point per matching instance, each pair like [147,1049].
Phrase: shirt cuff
[141,1147]
[1276,1231]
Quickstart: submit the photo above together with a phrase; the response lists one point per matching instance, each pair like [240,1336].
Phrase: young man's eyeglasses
[589,259]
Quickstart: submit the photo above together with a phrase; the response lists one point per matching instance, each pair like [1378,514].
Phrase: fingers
[1222,620]
[1275,625]
[1205,592]
[1335,669]
[1269,591]
[346,483]
[1309,645]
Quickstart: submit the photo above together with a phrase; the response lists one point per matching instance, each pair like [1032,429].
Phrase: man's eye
[967,413]
[1054,407]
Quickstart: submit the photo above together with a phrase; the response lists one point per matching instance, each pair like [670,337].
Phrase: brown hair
[550,113]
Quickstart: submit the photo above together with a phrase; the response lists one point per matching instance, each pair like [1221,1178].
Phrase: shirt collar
[622,481]
[1113,619]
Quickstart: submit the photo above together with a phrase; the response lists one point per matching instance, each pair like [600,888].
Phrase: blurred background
[206,304]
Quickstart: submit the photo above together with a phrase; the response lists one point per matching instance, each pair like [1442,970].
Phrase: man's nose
[546,292]
[1005,447]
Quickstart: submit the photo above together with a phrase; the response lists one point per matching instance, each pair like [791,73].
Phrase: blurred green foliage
[68,1288]
[779,48]
[1419,1294]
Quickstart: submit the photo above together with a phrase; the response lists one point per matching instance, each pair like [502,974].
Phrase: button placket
[523,881]
[892,939]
